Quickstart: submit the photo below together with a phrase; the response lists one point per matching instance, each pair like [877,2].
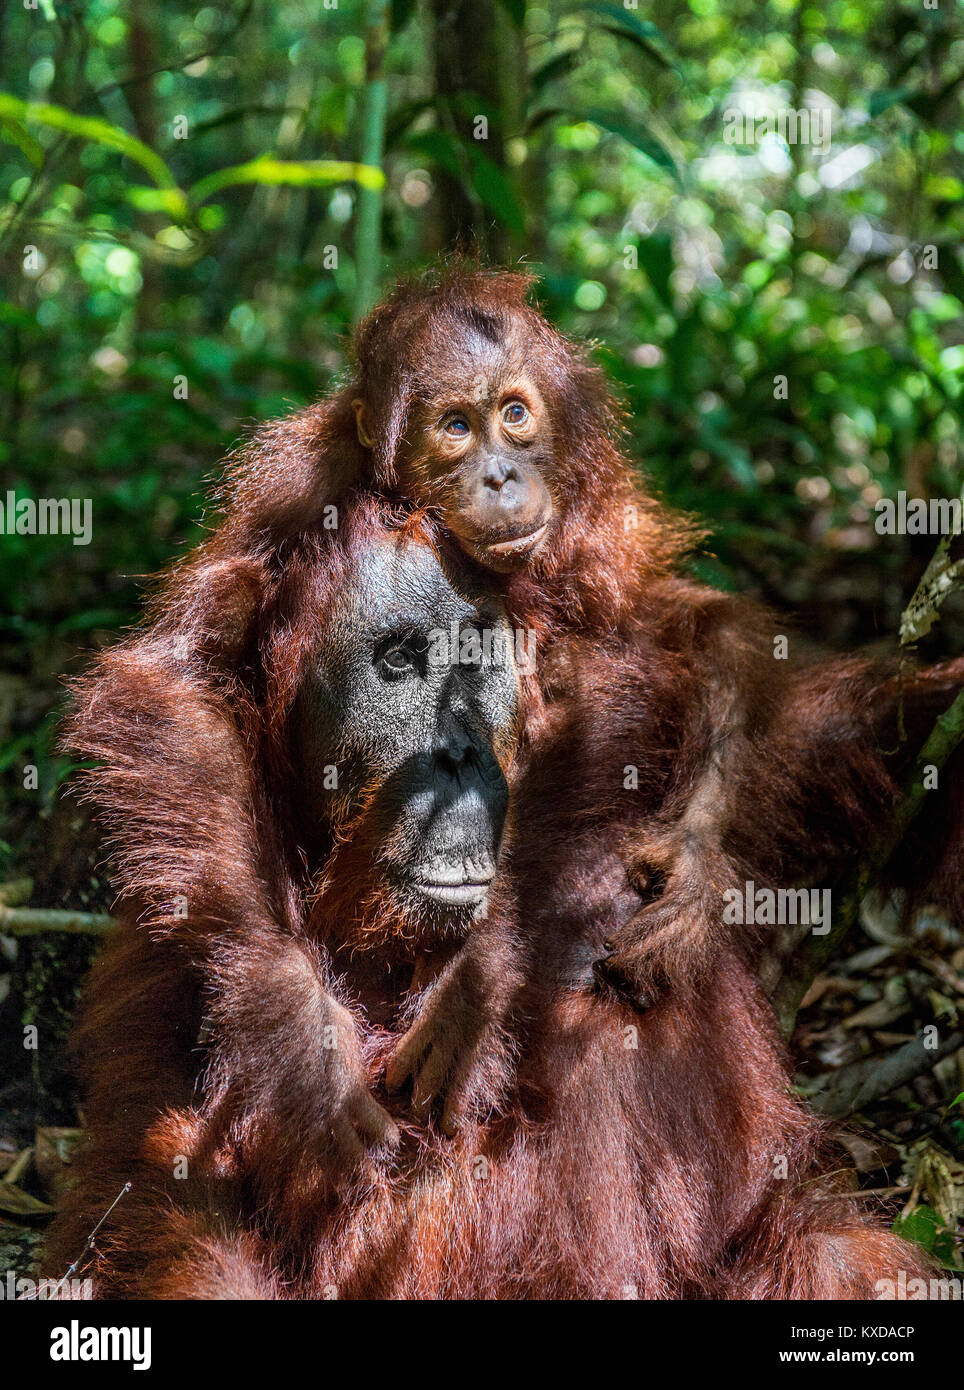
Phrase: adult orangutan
[659,1156]
[468,409]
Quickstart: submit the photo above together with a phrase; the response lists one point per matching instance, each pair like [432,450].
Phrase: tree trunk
[479,71]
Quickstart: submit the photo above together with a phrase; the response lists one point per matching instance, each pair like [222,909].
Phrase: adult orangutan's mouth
[459,884]
[453,894]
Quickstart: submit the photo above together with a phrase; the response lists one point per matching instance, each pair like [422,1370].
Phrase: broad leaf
[439,146]
[642,139]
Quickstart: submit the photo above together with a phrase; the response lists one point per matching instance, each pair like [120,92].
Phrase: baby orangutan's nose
[497,473]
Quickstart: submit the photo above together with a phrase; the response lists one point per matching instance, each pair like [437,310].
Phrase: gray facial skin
[413,720]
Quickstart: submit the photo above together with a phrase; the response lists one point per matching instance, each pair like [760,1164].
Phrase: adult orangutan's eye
[456,425]
[396,659]
[515,413]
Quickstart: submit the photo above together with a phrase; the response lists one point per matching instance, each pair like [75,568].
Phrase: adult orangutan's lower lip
[519,545]
[454,894]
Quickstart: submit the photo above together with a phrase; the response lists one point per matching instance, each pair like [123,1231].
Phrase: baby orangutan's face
[478,446]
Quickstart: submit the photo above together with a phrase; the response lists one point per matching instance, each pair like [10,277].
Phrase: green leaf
[403,117]
[538,118]
[299,174]
[648,48]
[881,101]
[922,1226]
[641,28]
[643,140]
[493,188]
[640,32]
[14,134]
[88,128]
[559,66]
[10,753]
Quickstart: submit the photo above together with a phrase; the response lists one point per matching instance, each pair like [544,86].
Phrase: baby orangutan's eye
[515,413]
[456,425]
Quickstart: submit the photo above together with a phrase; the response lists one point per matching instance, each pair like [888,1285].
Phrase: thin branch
[34,921]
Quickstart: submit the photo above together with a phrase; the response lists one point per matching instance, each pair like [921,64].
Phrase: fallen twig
[852,1087]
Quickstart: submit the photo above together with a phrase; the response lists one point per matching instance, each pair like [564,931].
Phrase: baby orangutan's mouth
[519,545]
[506,555]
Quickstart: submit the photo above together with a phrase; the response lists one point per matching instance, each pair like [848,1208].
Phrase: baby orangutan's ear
[364,438]
[380,424]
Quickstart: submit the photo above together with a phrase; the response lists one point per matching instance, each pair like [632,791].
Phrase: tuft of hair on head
[461,293]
